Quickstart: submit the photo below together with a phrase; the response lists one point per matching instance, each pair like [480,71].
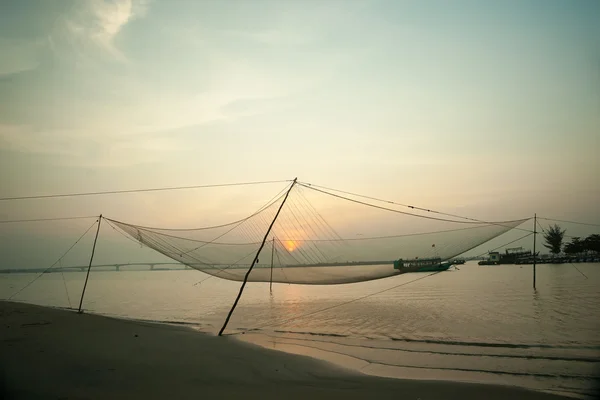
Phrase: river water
[472,324]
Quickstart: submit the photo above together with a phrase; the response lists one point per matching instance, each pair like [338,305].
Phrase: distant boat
[511,256]
[422,265]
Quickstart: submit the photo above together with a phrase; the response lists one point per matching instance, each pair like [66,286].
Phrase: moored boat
[434,264]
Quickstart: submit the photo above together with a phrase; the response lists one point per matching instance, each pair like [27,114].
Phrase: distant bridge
[160,266]
[152,266]
[117,267]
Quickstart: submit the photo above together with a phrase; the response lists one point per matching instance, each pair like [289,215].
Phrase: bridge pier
[151,267]
[117,267]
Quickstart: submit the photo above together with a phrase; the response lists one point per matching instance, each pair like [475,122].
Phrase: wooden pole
[272,254]
[256,258]
[89,266]
[534,238]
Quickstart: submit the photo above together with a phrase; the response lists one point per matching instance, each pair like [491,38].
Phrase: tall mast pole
[89,266]
[272,254]
[534,238]
[256,257]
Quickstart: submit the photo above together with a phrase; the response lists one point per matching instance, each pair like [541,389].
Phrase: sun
[290,245]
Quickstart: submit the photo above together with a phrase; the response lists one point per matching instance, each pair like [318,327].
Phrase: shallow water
[481,324]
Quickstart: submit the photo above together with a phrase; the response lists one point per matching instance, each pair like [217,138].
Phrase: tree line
[554,236]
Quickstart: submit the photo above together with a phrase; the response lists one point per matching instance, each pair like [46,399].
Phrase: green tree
[592,243]
[554,238]
[575,246]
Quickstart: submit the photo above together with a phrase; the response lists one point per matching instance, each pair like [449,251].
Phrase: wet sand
[53,354]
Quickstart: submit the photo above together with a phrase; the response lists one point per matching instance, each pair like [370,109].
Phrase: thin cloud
[96,149]
[18,55]
[101,21]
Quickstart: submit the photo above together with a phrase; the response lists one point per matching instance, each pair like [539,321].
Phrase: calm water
[483,324]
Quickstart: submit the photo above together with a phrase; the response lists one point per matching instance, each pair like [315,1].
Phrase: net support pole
[256,257]
[90,265]
[534,238]
[272,255]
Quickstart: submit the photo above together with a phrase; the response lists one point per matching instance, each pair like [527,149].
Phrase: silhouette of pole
[272,254]
[534,237]
[89,266]
[256,257]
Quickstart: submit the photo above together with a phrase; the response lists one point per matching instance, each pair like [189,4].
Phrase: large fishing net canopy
[319,236]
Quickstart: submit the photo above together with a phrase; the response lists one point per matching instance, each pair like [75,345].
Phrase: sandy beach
[57,354]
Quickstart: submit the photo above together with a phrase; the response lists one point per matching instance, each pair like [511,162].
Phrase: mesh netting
[318,237]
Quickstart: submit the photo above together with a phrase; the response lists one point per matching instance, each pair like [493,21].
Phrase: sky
[486,108]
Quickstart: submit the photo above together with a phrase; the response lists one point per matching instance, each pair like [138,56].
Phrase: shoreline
[49,353]
[350,354]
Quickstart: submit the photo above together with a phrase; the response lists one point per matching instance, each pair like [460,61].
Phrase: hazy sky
[490,108]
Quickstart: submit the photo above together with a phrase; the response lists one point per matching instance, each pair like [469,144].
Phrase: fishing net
[318,237]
